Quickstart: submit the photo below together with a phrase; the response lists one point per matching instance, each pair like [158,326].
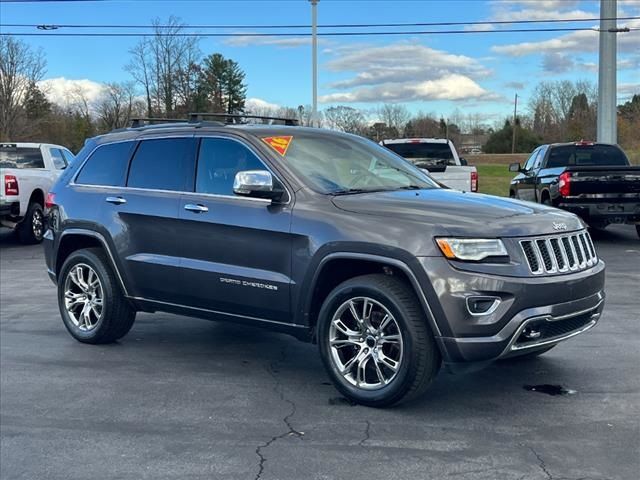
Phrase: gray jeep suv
[323,235]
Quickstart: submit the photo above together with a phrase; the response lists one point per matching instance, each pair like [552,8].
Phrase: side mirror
[515,167]
[463,162]
[257,184]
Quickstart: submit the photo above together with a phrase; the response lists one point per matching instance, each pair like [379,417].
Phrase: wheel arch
[75,239]
[349,265]
[37,196]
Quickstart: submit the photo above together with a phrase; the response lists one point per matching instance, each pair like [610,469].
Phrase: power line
[336,25]
[320,34]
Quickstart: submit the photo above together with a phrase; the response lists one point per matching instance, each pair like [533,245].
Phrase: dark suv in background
[323,235]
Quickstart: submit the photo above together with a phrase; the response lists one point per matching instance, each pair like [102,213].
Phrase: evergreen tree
[36,105]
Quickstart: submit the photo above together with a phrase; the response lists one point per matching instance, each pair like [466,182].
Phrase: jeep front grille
[559,253]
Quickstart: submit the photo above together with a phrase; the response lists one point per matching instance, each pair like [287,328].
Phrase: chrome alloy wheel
[37,224]
[83,297]
[366,343]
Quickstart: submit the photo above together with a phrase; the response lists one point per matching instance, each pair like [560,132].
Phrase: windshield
[424,154]
[585,155]
[337,164]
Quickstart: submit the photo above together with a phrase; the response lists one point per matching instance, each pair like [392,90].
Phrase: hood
[462,213]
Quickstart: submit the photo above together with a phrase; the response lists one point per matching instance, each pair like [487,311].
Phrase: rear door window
[107,165]
[58,159]
[12,156]
[163,164]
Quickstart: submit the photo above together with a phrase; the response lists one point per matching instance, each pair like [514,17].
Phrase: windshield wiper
[353,191]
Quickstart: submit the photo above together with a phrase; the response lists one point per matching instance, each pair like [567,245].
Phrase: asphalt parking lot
[190,399]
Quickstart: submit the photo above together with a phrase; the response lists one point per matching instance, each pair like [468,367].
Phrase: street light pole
[314,48]
[513,127]
[607,128]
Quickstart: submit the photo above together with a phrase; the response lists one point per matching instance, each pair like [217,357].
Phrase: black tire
[530,355]
[638,230]
[420,358]
[547,201]
[117,315]
[31,228]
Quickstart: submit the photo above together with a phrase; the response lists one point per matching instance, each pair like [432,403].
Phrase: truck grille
[559,253]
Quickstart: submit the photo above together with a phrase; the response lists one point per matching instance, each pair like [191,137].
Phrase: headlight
[473,249]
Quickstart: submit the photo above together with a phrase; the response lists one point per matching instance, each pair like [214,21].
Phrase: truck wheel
[91,303]
[375,342]
[31,228]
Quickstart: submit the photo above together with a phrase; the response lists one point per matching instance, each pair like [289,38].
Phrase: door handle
[196,208]
[116,200]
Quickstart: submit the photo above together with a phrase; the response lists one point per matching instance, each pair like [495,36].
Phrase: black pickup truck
[592,180]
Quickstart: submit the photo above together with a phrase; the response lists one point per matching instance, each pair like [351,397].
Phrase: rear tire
[547,201]
[92,305]
[387,357]
[31,229]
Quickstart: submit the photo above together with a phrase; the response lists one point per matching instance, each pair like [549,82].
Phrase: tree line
[171,77]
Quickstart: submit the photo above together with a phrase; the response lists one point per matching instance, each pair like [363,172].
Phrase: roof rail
[231,118]
[141,122]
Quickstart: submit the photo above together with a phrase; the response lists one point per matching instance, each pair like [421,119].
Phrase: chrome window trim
[73,183]
[178,193]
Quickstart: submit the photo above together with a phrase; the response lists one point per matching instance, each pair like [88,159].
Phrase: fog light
[531,333]
[482,305]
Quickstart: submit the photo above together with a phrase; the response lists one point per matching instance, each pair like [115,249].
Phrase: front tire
[92,305]
[31,229]
[375,341]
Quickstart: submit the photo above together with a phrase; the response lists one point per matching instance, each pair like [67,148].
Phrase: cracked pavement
[183,398]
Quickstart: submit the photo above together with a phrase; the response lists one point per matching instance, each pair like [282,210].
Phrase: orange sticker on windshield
[279,144]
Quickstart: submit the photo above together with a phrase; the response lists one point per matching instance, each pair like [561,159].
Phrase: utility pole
[607,111]
[314,48]
[513,127]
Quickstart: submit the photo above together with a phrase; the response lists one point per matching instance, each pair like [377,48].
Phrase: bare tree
[20,67]
[117,105]
[395,116]
[345,119]
[163,66]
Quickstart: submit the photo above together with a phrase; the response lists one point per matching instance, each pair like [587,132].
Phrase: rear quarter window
[12,156]
[107,165]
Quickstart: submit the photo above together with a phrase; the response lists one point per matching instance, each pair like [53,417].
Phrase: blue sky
[477,72]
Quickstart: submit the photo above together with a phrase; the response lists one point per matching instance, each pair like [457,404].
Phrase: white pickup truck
[27,172]
[439,157]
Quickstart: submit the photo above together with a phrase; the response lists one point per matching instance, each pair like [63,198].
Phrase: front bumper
[531,313]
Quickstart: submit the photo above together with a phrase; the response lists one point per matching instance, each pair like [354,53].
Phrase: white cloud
[63,91]
[581,41]
[628,89]
[403,71]
[449,87]
[257,104]
[280,42]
